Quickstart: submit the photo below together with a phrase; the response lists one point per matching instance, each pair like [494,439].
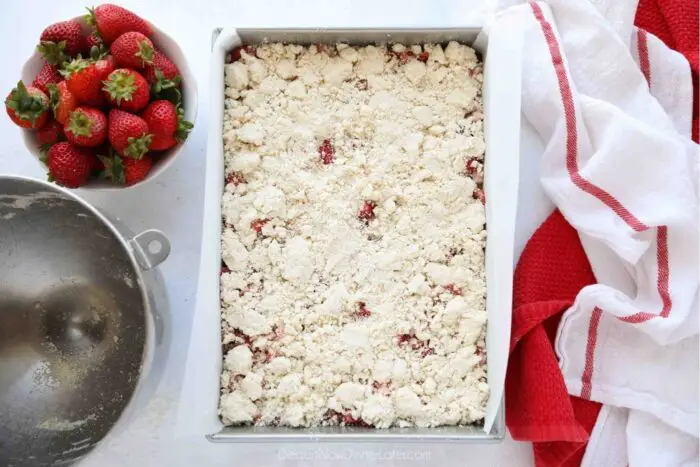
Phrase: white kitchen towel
[613,105]
[650,442]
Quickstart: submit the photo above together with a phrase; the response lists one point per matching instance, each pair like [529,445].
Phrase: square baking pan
[501,96]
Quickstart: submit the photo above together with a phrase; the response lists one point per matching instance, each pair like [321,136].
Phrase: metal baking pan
[502,127]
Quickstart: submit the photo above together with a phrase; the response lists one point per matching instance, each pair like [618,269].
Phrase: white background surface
[173,203]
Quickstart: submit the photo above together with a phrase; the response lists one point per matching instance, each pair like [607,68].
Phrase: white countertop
[173,204]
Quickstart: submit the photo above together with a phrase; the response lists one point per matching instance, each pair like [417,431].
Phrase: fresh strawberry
[136,170]
[126,171]
[69,165]
[164,78]
[83,80]
[167,124]
[161,117]
[132,50]
[62,101]
[162,142]
[60,41]
[112,21]
[49,134]
[105,66]
[28,107]
[163,64]
[86,127]
[47,75]
[128,134]
[94,40]
[127,90]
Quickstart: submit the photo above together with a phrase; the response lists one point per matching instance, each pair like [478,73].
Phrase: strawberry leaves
[138,147]
[114,168]
[168,89]
[26,106]
[145,52]
[53,52]
[183,126]
[120,85]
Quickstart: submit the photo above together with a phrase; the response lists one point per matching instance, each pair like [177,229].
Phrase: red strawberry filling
[423,56]
[224,268]
[236,53]
[263,356]
[480,195]
[382,388]
[258,224]
[236,178]
[244,337]
[453,289]
[472,168]
[403,338]
[405,56]
[474,71]
[344,418]
[242,292]
[481,352]
[326,152]
[362,84]
[276,334]
[415,343]
[366,213]
[362,311]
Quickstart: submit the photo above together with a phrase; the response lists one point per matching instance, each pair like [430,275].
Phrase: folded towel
[613,105]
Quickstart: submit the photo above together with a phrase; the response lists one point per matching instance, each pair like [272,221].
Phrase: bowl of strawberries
[106,101]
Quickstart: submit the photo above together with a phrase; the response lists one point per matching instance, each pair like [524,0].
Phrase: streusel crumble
[353,280]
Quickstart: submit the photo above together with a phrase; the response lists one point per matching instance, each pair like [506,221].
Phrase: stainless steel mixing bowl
[76,322]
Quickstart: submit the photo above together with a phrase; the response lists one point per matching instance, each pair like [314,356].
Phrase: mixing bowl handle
[151,247]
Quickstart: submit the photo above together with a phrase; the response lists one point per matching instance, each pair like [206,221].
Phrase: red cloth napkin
[550,273]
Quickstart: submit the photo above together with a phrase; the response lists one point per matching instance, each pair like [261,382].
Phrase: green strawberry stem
[167,89]
[54,96]
[114,169]
[90,17]
[25,105]
[80,124]
[53,52]
[183,126]
[138,147]
[145,52]
[44,154]
[74,66]
[120,86]
[98,52]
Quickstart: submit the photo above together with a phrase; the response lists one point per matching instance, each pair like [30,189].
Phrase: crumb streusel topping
[353,285]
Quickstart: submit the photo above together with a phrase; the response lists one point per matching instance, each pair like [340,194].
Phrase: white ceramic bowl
[169,47]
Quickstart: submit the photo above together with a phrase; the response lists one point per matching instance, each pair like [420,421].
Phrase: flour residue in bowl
[58,424]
